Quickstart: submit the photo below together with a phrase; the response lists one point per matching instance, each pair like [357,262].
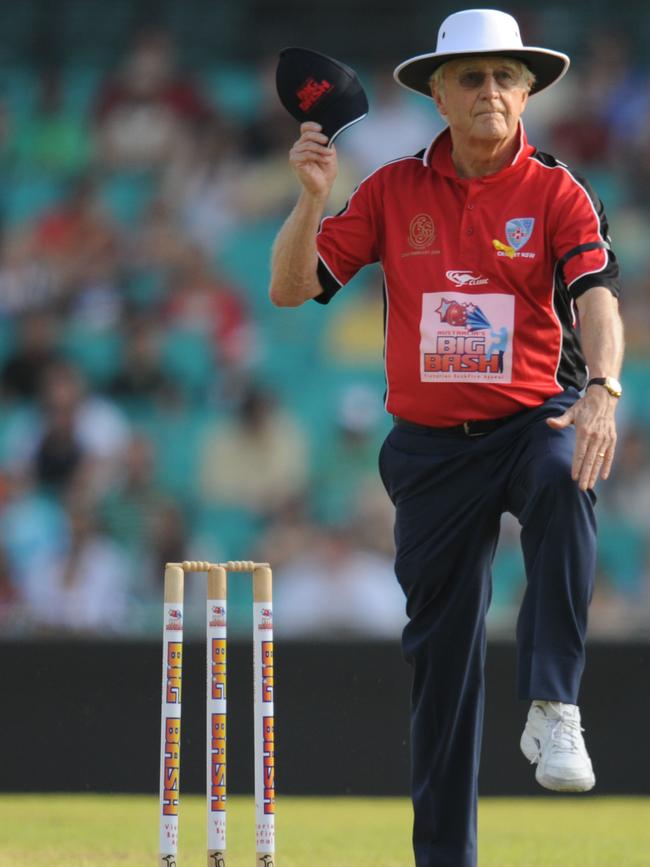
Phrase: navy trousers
[450,492]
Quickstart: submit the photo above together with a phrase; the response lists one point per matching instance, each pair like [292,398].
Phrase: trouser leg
[558,540]
[445,537]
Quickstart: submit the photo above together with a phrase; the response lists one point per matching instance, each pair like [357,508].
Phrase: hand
[313,162]
[593,417]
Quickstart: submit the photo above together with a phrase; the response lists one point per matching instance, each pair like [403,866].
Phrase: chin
[492,131]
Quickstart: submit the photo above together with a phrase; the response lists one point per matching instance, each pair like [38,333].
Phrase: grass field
[107,831]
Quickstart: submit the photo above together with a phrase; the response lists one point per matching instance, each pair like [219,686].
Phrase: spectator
[146,114]
[158,244]
[35,352]
[337,588]
[204,186]
[75,239]
[32,525]
[202,301]
[349,464]
[77,431]
[137,514]
[140,375]
[258,460]
[51,139]
[26,281]
[85,589]
[396,126]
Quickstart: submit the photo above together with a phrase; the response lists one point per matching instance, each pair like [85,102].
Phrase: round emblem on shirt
[422,231]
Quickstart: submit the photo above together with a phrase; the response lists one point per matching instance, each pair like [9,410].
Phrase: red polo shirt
[480,276]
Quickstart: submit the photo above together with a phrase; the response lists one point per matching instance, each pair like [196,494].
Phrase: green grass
[107,831]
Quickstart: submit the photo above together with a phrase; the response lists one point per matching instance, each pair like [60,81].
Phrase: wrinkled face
[482,97]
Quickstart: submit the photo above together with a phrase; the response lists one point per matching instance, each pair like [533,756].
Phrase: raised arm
[294,259]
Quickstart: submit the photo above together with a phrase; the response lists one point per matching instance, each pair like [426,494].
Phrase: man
[476,234]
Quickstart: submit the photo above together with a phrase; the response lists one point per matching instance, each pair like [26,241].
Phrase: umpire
[491,250]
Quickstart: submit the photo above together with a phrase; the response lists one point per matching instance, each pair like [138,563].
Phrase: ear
[439,100]
[524,101]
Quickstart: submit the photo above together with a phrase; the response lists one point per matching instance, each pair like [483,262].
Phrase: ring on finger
[601,454]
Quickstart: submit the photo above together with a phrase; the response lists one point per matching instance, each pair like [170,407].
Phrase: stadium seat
[96,352]
[188,360]
[126,194]
[25,196]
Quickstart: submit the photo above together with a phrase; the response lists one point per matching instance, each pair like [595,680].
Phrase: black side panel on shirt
[609,276]
[572,369]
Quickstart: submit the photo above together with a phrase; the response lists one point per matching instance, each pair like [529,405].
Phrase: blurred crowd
[155,407]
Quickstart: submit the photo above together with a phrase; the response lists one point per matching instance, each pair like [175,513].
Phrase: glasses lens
[472,79]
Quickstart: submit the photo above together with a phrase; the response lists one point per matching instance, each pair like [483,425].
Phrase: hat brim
[547,66]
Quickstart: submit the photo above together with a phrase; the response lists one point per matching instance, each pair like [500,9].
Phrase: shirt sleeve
[346,242]
[582,244]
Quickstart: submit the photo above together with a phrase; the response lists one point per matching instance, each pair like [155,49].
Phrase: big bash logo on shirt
[466,338]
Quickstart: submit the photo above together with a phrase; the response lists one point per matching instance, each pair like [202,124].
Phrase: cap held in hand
[312,86]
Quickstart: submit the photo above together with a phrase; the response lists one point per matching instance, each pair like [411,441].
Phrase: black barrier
[86,717]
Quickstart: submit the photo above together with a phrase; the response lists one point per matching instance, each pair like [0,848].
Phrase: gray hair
[437,79]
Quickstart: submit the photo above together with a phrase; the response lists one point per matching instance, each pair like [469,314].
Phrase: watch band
[611,385]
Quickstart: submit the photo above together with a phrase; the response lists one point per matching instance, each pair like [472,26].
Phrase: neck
[474,158]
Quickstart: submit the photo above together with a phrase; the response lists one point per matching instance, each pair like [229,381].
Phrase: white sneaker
[553,740]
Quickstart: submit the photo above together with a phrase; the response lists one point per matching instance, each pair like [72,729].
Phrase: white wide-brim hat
[475,32]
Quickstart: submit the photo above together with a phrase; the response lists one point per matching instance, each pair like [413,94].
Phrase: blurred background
[154,406]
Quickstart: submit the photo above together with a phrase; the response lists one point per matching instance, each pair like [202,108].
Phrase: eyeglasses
[505,79]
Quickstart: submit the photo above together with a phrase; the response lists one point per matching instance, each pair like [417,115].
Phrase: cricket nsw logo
[466,278]
[422,231]
[519,231]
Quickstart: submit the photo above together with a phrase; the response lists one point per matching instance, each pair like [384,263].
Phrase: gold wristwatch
[613,386]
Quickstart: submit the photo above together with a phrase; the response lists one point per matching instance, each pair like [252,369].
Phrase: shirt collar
[438,156]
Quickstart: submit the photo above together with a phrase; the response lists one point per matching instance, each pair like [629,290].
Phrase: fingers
[595,439]
[593,457]
[560,421]
[313,162]
[311,146]
[608,460]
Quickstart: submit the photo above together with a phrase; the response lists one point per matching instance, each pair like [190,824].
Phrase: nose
[490,85]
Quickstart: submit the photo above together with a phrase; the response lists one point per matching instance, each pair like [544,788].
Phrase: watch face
[613,386]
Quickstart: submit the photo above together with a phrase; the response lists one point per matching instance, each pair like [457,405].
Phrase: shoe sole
[558,784]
